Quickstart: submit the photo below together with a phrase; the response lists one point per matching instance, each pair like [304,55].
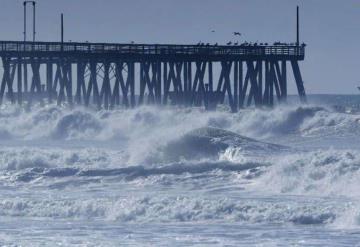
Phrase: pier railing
[42,48]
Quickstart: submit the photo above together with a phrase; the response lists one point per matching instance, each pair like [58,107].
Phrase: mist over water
[180,176]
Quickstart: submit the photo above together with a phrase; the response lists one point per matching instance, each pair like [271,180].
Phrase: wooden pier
[109,75]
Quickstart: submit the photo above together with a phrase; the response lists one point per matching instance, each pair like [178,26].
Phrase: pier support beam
[64,81]
[299,81]
[49,80]
[35,87]
[105,92]
[7,80]
[81,92]
[198,91]
[125,85]
[19,81]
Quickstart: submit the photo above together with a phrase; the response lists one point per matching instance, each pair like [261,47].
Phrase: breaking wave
[134,172]
[218,152]
[170,209]
[318,173]
[322,173]
[169,123]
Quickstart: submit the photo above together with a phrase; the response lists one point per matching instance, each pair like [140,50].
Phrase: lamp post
[34,32]
[297,27]
[34,14]
[62,31]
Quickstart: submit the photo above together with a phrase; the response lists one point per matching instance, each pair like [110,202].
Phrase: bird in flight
[213,31]
[237,33]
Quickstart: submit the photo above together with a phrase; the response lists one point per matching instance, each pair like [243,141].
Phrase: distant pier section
[109,75]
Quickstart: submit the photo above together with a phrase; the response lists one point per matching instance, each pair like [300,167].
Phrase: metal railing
[150,49]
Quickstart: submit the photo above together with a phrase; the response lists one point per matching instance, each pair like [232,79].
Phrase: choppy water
[178,177]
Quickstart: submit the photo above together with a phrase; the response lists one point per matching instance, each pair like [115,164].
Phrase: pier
[108,75]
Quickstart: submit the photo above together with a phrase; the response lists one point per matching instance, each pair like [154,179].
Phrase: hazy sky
[331,28]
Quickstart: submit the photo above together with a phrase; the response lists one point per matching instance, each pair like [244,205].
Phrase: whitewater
[172,176]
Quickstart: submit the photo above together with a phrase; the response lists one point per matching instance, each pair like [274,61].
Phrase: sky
[330,28]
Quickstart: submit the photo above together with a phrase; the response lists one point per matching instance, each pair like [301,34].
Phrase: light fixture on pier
[34,14]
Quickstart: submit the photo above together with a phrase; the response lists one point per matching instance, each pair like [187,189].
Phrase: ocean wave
[20,158]
[150,124]
[303,121]
[322,173]
[76,125]
[134,172]
[213,142]
[175,209]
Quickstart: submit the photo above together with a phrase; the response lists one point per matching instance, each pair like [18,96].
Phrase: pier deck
[137,52]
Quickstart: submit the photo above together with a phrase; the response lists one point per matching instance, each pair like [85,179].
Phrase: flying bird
[213,31]
[237,33]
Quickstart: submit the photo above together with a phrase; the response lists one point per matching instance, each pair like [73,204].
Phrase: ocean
[172,176]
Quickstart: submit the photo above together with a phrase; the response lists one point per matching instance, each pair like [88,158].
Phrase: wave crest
[76,125]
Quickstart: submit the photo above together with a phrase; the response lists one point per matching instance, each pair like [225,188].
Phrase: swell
[326,172]
[177,209]
[134,172]
[303,121]
[159,125]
